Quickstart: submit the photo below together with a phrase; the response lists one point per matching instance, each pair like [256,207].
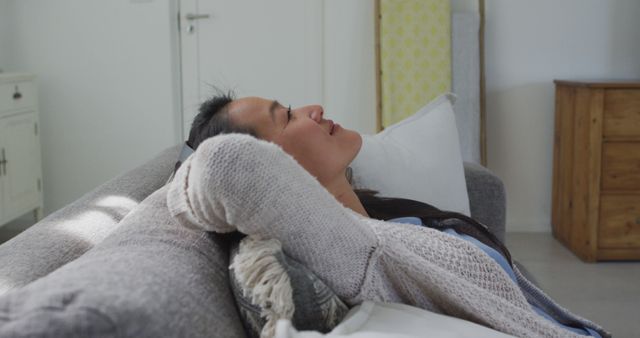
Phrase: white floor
[605,292]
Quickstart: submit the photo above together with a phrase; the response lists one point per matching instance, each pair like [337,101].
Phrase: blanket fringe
[264,280]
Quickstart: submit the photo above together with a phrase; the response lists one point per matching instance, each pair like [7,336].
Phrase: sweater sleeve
[239,182]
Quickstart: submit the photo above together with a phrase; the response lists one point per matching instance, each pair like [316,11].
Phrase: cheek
[312,148]
[308,146]
[303,137]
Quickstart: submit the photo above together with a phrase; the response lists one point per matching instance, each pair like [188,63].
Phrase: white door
[269,48]
[3,154]
[22,152]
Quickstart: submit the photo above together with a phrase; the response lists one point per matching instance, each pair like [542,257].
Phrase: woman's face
[323,148]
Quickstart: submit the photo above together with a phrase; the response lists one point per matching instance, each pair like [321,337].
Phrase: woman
[445,262]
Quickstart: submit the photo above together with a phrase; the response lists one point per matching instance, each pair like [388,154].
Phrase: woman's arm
[238,182]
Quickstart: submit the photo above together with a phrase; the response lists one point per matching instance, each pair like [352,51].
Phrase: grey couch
[101,267]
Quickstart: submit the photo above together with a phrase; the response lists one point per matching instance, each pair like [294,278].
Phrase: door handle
[17,95]
[192,16]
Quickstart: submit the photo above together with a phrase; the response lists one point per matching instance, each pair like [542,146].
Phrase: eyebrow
[272,110]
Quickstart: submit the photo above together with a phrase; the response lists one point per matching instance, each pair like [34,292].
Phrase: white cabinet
[20,161]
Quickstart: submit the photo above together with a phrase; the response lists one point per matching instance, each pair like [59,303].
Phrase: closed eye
[289,113]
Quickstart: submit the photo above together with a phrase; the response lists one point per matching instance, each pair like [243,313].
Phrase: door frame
[176,69]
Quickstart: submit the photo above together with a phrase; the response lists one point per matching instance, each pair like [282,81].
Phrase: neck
[343,192]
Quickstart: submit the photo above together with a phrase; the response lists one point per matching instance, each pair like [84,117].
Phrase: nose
[315,112]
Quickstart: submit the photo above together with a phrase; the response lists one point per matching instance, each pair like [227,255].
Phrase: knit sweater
[236,182]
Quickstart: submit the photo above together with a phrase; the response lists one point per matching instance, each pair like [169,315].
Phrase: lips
[333,127]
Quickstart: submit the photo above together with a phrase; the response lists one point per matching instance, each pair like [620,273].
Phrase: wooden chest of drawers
[596,171]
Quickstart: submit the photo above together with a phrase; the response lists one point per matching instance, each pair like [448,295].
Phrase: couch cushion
[417,158]
[149,278]
[486,198]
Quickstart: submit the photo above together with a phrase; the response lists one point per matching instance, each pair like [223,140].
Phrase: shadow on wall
[624,45]
[520,127]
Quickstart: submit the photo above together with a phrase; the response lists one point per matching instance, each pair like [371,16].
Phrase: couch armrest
[487,198]
[71,231]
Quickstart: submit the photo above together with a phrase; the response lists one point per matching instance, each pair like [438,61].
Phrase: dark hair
[213,119]
[386,208]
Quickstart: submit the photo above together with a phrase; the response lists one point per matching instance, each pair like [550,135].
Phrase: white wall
[106,87]
[4,33]
[108,83]
[349,63]
[528,45]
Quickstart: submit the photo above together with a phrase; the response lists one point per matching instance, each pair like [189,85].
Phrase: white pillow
[393,320]
[417,158]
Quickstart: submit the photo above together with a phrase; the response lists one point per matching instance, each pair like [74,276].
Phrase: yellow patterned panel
[415,53]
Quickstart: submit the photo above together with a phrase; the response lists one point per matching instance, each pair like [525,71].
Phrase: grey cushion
[486,198]
[313,300]
[69,232]
[149,278]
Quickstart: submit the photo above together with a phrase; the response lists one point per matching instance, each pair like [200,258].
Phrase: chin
[355,143]
[359,141]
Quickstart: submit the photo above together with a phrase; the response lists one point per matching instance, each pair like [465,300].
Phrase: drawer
[621,166]
[619,221]
[621,112]
[17,95]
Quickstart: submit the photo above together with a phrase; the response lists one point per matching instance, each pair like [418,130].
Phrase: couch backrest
[69,232]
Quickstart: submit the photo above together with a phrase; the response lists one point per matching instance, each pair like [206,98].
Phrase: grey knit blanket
[236,182]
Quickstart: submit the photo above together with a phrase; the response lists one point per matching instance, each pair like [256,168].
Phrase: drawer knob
[17,95]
